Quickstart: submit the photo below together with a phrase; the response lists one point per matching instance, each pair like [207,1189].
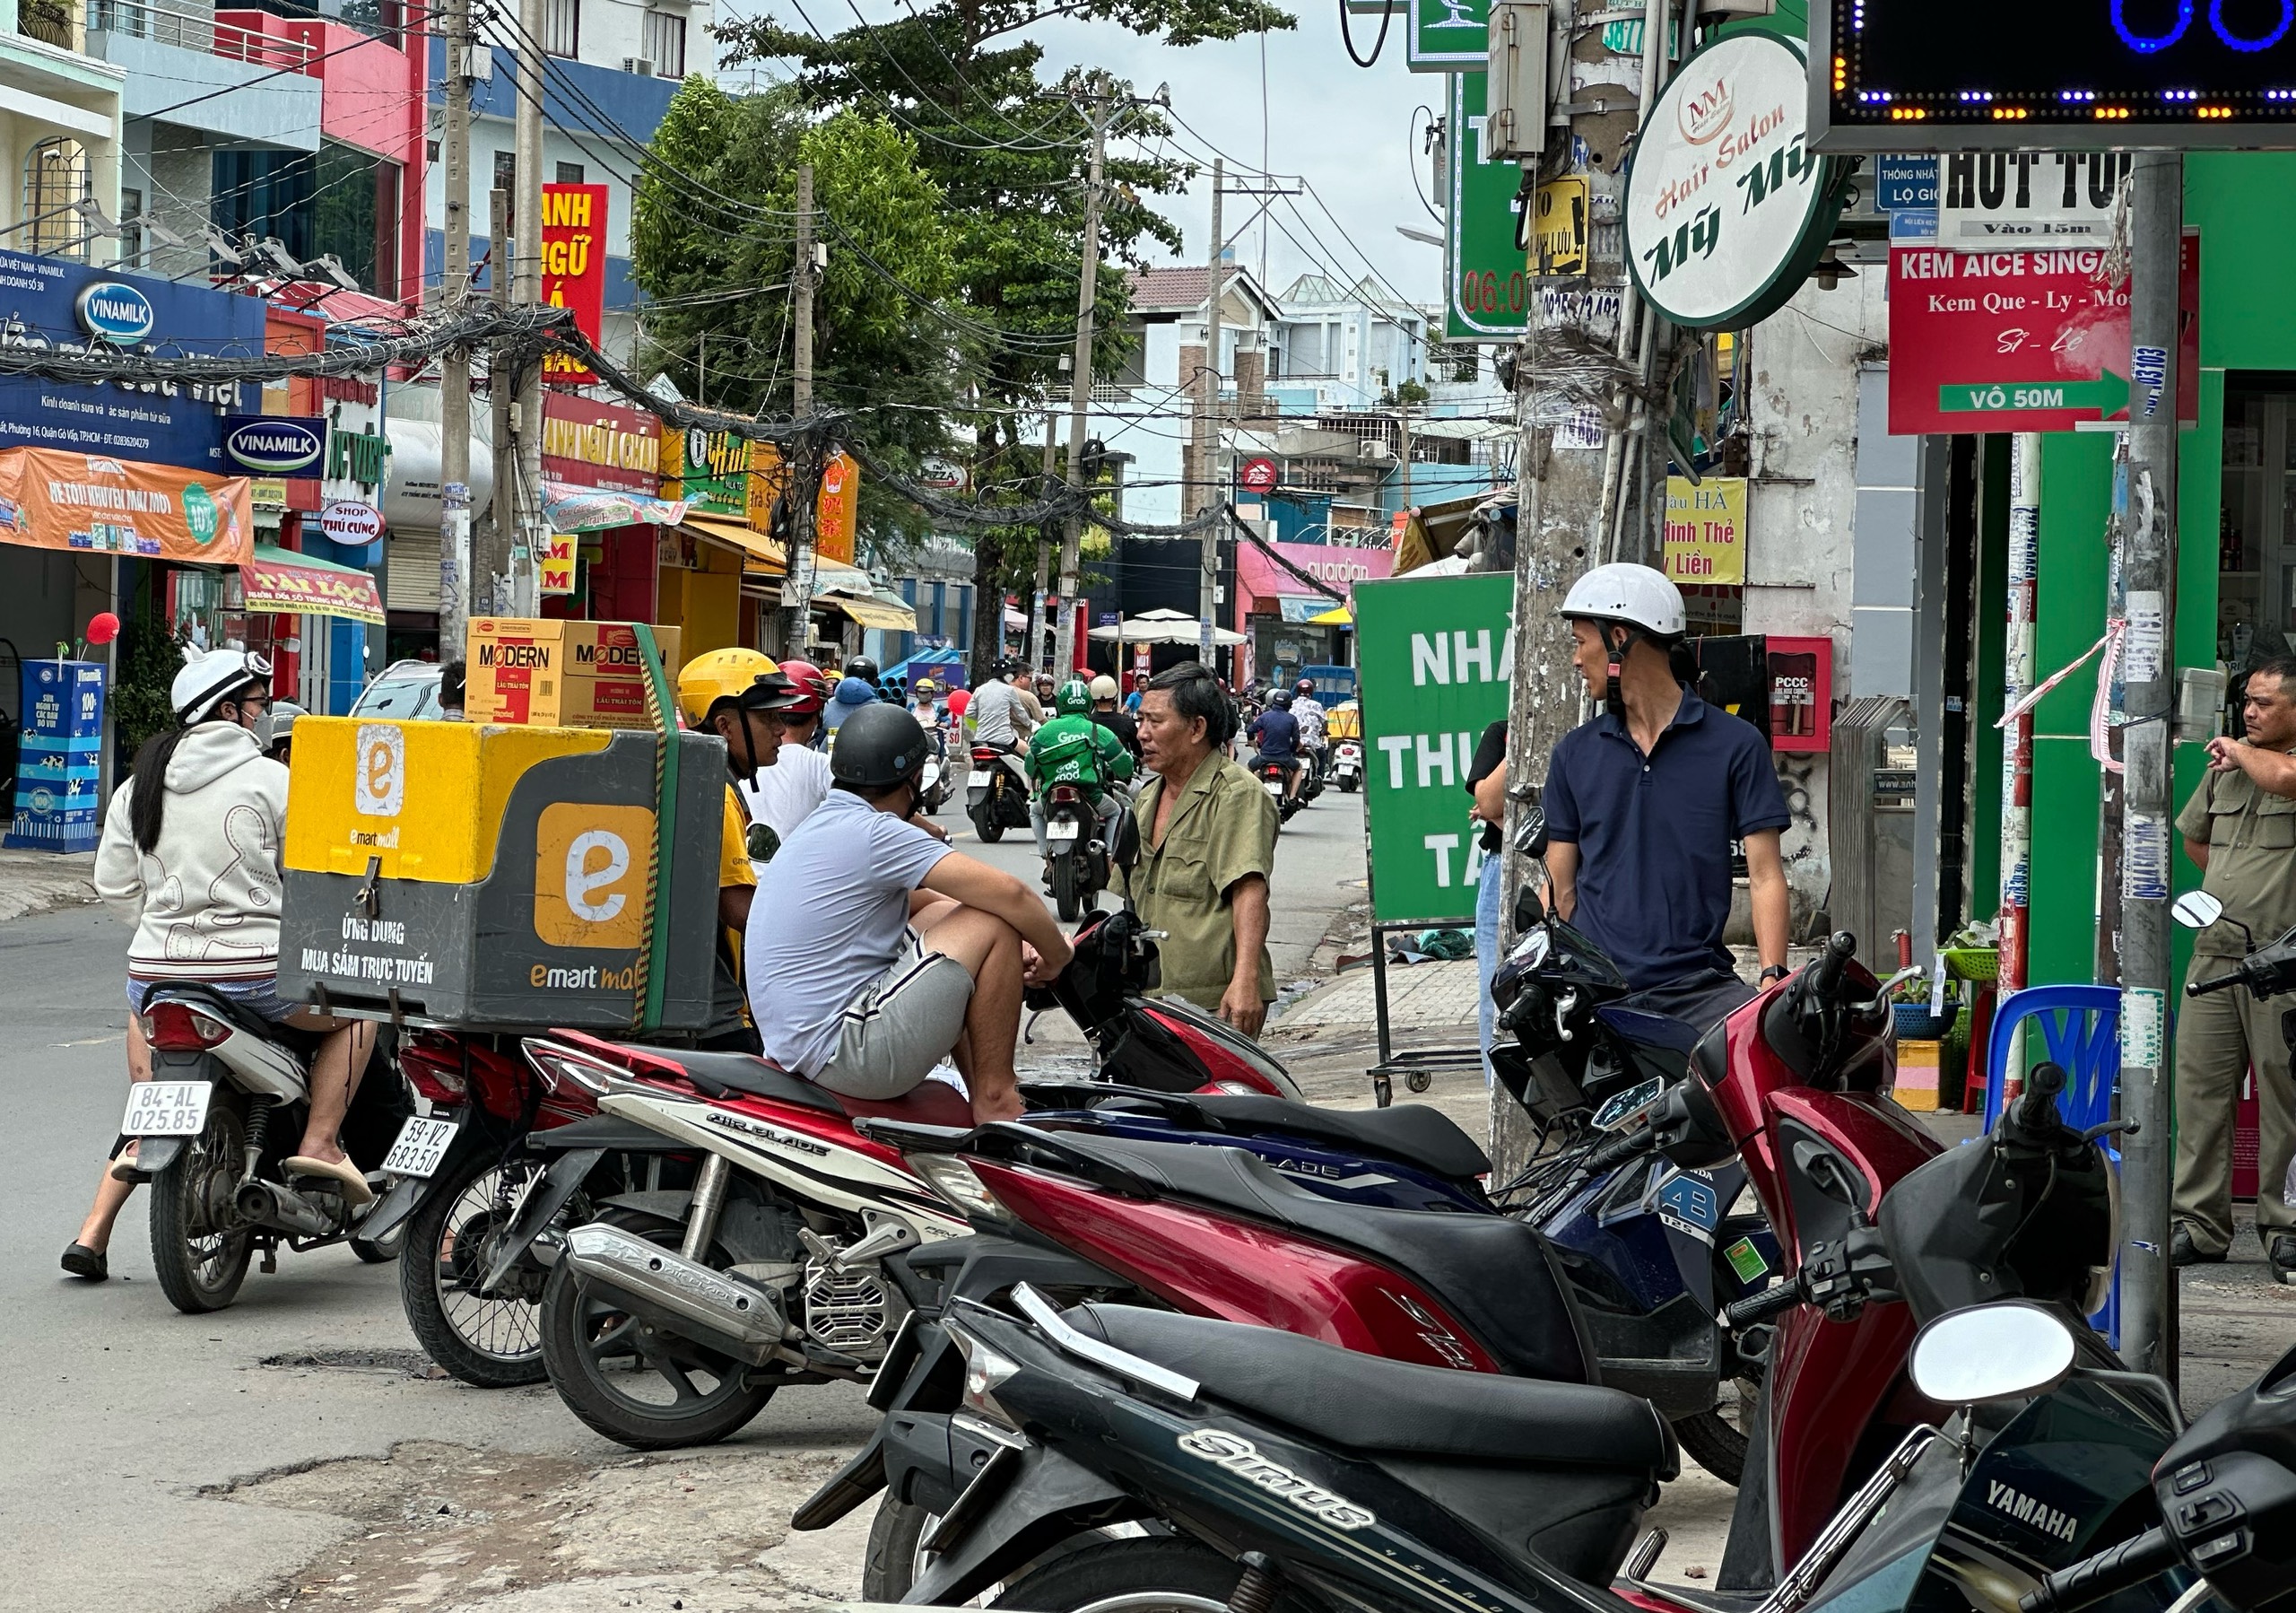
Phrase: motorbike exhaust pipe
[267,1203]
[749,1321]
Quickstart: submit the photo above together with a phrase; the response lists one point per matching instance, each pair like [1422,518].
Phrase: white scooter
[1347,765]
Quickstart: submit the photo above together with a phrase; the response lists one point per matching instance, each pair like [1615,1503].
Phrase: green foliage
[1408,393]
[151,654]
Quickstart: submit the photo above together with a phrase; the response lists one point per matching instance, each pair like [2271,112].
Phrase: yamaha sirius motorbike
[997,793]
[1250,1464]
[226,1103]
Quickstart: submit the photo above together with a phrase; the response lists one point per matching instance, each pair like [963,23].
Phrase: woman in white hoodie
[190,855]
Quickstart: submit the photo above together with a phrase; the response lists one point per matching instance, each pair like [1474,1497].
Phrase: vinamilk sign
[1726,207]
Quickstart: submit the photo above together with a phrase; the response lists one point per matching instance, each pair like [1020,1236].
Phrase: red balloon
[103,627]
[958,700]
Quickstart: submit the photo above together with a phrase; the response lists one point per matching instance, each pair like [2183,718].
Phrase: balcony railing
[190,30]
[47,21]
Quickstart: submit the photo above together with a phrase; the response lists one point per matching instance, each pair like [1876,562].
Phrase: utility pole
[1038,650]
[800,472]
[1207,428]
[454,374]
[2146,536]
[1102,111]
[490,570]
[527,537]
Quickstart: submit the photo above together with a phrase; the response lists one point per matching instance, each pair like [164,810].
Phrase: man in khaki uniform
[2241,827]
[1207,842]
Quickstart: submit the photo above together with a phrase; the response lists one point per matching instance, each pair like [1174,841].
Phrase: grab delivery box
[543,673]
[468,875]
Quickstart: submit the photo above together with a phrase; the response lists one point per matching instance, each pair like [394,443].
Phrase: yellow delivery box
[543,673]
[517,877]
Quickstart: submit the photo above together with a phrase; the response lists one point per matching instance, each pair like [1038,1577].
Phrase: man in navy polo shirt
[1643,802]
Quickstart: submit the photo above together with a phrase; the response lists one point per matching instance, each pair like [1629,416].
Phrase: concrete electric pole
[525,537]
[1101,111]
[490,561]
[801,467]
[1210,495]
[454,374]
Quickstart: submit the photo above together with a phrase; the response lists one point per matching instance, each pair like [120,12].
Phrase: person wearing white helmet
[1643,802]
[190,855]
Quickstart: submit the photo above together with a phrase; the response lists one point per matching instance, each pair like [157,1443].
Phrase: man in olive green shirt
[2240,828]
[1207,842]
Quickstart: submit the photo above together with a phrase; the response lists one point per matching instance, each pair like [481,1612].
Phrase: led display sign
[1958,75]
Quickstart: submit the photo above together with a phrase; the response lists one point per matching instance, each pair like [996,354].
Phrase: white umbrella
[1163,627]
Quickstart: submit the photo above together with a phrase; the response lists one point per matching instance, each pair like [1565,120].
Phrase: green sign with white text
[1488,293]
[1433,660]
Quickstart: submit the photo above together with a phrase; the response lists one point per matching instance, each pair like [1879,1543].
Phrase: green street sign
[1449,35]
[2108,396]
[1488,290]
[1434,657]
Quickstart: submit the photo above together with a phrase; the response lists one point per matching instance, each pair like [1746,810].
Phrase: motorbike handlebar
[1825,975]
[2093,1579]
[1618,1150]
[2036,1111]
[2221,982]
[1779,1296]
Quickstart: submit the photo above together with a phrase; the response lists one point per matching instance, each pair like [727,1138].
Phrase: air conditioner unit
[642,65]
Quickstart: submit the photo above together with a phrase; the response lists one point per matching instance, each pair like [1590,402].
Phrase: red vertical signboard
[574,267]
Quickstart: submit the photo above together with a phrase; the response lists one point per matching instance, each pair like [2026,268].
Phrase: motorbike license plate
[421,1145]
[165,1108]
[1060,830]
[1274,787]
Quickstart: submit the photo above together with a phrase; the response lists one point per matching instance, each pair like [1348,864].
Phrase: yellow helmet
[721,675]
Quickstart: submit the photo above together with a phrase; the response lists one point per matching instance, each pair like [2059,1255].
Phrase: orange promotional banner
[574,267]
[280,579]
[837,509]
[50,500]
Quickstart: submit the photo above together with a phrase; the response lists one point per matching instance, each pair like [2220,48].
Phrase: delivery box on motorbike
[479,876]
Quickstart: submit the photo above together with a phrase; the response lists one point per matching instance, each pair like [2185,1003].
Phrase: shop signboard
[709,470]
[94,504]
[1487,281]
[1903,182]
[1447,35]
[1727,208]
[2021,340]
[1434,657]
[1706,530]
[586,443]
[837,509]
[351,523]
[49,303]
[274,445]
[59,761]
[574,269]
[1272,571]
[1990,200]
[279,580]
[554,571]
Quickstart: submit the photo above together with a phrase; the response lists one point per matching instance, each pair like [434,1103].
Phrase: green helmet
[1072,698]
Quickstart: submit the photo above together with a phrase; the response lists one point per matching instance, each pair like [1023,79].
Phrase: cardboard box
[1917,1085]
[524,672]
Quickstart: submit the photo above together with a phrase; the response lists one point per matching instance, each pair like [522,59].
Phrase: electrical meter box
[464,874]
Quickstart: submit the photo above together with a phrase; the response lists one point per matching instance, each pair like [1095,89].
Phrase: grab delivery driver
[738,695]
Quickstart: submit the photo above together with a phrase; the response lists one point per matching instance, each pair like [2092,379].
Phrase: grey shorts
[900,1025]
[261,994]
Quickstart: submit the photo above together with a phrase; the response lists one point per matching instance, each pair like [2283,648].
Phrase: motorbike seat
[1496,1275]
[1368,1403]
[200,995]
[927,1103]
[1415,1133]
[716,1074]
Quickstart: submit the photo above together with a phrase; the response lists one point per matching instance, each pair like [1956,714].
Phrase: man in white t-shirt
[783,796]
[874,952]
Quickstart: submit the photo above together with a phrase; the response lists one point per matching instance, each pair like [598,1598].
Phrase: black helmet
[878,745]
[1281,700]
[862,668]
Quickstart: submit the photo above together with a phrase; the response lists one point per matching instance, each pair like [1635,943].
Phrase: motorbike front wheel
[487,1342]
[200,1247]
[1150,1573]
[635,1383]
[1715,1439]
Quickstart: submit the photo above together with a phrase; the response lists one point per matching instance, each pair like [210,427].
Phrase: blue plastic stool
[2080,1028]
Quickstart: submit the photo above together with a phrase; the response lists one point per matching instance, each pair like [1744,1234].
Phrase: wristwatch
[1776,972]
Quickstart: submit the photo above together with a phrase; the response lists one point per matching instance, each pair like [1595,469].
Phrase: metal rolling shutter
[411,571]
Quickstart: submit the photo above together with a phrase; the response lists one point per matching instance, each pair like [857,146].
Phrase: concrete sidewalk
[42,882]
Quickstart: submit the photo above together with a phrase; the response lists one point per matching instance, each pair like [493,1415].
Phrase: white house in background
[1346,346]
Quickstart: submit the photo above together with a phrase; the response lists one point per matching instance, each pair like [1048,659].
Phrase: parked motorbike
[997,793]
[1347,765]
[227,1102]
[1411,1487]
[1080,856]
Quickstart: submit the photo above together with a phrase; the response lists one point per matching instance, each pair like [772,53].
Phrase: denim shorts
[260,994]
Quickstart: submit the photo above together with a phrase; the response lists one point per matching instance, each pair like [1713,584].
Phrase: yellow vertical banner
[1706,530]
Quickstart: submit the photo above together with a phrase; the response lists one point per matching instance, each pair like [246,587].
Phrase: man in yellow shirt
[735,694]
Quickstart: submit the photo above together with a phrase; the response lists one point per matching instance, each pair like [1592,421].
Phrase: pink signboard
[1261,580]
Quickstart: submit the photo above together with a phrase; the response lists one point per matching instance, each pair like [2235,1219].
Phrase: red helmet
[813,689]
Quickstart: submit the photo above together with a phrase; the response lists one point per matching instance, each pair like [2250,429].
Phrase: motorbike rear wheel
[1713,1439]
[200,1247]
[1066,895]
[632,1383]
[487,1342]
[1150,1573]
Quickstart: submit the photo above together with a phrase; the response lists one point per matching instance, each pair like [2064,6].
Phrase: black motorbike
[1080,855]
[997,796]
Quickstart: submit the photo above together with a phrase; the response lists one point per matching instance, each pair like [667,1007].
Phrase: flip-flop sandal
[355,1190]
[81,1260]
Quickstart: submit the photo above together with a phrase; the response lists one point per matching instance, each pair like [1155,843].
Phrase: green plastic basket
[1973,963]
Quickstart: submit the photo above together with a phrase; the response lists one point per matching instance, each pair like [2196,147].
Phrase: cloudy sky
[1348,132]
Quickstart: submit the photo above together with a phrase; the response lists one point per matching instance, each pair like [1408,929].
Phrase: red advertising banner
[586,443]
[574,267]
[2024,341]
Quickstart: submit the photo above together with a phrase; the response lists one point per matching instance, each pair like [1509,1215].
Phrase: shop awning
[279,580]
[762,556]
[891,615]
[1338,616]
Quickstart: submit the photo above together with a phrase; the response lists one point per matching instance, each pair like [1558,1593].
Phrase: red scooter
[1795,1083]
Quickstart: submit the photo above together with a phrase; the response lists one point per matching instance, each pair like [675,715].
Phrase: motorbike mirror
[1124,841]
[1530,832]
[1529,911]
[2197,910]
[2004,1351]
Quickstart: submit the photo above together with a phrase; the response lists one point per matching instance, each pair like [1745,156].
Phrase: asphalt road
[126,1418]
